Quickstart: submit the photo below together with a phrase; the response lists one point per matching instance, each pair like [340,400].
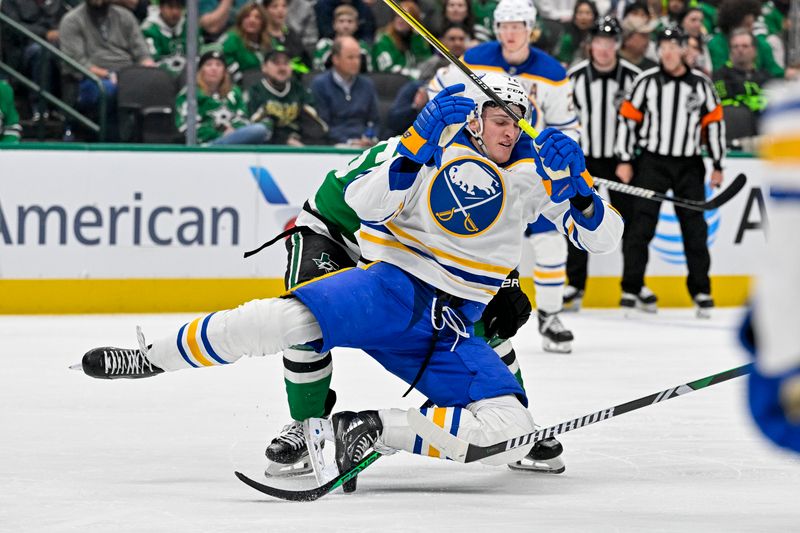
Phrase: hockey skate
[119,363]
[287,454]
[354,435]
[544,457]
[555,337]
[703,304]
[572,299]
[644,301]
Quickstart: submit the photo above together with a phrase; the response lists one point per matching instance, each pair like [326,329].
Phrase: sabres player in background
[774,387]
[442,220]
[550,93]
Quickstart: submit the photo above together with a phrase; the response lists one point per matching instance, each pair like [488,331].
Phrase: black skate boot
[555,337]
[118,363]
[645,301]
[545,457]
[287,452]
[572,299]
[355,434]
[703,303]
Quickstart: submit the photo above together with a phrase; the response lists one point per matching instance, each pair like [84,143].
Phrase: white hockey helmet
[514,11]
[509,89]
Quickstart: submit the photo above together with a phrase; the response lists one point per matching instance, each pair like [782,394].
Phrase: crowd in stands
[344,72]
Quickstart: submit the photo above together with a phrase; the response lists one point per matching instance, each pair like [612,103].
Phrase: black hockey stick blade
[736,185]
[697,205]
[309,495]
[476,453]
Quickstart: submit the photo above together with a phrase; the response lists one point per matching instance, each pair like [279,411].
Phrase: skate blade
[557,347]
[702,313]
[550,466]
[300,468]
[76,366]
[317,431]
[572,307]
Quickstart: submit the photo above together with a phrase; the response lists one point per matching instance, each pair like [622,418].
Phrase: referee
[599,86]
[669,112]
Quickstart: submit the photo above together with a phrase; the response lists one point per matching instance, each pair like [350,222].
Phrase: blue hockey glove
[774,404]
[560,164]
[424,140]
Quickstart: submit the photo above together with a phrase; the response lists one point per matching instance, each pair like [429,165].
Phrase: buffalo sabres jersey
[460,227]
[549,88]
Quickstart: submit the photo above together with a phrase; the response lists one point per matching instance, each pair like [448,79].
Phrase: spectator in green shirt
[221,113]
[165,34]
[10,130]
[570,48]
[735,14]
[245,45]
[398,48]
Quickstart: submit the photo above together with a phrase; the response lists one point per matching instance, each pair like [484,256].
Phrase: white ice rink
[86,455]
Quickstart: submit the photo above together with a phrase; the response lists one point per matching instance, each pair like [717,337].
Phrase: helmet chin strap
[481,146]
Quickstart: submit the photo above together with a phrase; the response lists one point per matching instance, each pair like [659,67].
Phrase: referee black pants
[685,176]
[577,259]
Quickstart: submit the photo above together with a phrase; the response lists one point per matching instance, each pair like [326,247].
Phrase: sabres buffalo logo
[466,196]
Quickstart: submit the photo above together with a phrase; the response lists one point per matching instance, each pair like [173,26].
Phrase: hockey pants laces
[449,318]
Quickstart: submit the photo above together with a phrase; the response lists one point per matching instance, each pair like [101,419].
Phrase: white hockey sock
[482,423]
[259,327]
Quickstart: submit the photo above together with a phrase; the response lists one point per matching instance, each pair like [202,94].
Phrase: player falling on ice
[442,219]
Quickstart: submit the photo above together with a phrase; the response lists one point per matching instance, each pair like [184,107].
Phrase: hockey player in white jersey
[774,387]
[442,220]
[550,93]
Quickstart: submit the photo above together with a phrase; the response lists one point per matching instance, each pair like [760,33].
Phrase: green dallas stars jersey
[214,113]
[167,45]
[278,110]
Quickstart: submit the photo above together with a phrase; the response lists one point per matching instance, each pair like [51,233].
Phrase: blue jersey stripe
[180,346]
[204,337]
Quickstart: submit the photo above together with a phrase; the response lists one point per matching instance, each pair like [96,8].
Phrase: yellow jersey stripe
[191,340]
[441,253]
[400,246]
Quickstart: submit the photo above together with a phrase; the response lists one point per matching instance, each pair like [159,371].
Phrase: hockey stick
[470,453]
[736,185]
[474,78]
[462,451]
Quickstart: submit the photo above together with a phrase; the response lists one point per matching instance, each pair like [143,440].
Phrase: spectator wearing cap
[741,84]
[10,130]
[104,39]
[282,36]
[346,100]
[636,44]
[278,101]
[366,19]
[221,113]
[599,86]
[165,33]
[41,19]
[734,14]
[669,113]
[398,48]
[584,17]
[345,24]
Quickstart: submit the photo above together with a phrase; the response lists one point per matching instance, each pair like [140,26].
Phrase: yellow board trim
[191,340]
[88,296]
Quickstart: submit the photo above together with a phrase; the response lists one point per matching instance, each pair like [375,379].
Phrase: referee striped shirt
[597,97]
[671,116]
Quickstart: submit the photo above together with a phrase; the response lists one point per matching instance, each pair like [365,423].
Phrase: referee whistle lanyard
[442,315]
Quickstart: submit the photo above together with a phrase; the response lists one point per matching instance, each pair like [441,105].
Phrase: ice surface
[86,455]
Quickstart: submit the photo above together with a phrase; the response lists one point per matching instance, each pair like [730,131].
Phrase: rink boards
[127,229]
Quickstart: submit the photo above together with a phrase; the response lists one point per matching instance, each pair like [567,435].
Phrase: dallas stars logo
[324,263]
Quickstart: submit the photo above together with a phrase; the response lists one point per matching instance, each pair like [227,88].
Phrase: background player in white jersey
[444,226]
[550,93]
[774,388]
